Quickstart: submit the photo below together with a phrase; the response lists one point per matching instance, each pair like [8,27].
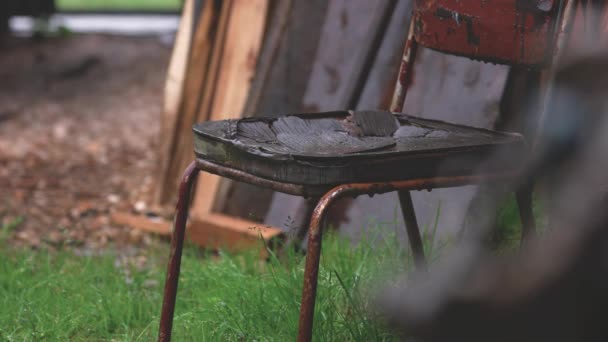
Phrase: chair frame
[327,196]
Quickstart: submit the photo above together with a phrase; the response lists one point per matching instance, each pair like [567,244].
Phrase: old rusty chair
[349,153]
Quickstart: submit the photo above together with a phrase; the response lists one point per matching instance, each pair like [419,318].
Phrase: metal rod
[524,202]
[406,68]
[177,244]
[311,271]
[318,191]
[402,84]
[307,191]
[413,231]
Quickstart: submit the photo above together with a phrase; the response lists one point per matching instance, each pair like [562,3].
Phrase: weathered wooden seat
[323,150]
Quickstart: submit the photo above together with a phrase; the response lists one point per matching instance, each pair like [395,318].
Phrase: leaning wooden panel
[173,94]
[207,31]
[240,52]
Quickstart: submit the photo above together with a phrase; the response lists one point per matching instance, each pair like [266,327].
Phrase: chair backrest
[515,32]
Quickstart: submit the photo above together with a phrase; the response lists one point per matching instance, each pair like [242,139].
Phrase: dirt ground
[79,120]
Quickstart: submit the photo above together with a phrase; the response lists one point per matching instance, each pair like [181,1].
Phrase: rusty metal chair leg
[313,255]
[411,226]
[302,227]
[524,203]
[177,243]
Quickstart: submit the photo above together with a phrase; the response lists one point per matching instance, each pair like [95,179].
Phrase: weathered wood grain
[208,29]
[142,222]
[173,95]
[241,47]
[231,233]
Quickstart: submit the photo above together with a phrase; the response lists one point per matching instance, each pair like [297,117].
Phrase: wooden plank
[199,98]
[173,92]
[181,139]
[235,193]
[354,214]
[239,57]
[284,66]
[222,231]
[222,62]
[344,35]
[142,222]
[285,63]
[367,54]
[201,73]
[207,96]
[378,88]
[214,231]
[277,26]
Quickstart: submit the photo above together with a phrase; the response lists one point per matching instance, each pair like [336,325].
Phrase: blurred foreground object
[556,289]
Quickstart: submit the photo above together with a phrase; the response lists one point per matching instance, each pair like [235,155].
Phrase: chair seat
[352,147]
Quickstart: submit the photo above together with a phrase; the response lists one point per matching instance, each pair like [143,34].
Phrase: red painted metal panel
[500,31]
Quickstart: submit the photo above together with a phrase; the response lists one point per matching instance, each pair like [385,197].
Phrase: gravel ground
[79,121]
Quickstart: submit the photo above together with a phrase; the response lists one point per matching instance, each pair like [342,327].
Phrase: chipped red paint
[501,31]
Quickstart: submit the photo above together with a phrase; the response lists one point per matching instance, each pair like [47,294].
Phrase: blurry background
[79,114]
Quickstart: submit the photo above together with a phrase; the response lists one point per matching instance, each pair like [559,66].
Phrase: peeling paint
[501,31]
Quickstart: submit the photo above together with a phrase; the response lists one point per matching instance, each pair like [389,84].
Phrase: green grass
[119,5]
[506,236]
[55,296]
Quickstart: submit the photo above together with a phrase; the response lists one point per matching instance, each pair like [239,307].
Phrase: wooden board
[202,74]
[227,232]
[142,222]
[220,66]
[173,93]
[214,231]
[240,51]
